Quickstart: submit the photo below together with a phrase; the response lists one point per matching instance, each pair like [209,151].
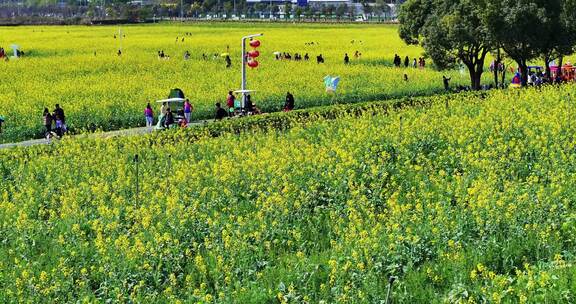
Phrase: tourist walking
[289,103]
[60,119]
[446,82]
[228,62]
[48,120]
[149,115]
[169,118]
[162,117]
[230,100]
[188,110]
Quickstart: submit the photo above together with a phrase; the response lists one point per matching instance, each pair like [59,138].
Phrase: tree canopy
[450,32]
[467,30]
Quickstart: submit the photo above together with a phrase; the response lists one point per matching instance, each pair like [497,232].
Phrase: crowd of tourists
[54,122]
[420,63]
[181,117]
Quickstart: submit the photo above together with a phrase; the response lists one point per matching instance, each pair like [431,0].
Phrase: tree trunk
[560,64]
[523,71]
[496,65]
[475,76]
[547,61]
[504,67]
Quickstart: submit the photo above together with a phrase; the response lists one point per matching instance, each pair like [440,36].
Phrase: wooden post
[136,162]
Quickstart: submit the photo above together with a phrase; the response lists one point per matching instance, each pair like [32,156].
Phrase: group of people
[161,55]
[250,108]
[420,63]
[347,58]
[540,78]
[54,122]
[167,117]
[235,108]
[4,54]
[287,56]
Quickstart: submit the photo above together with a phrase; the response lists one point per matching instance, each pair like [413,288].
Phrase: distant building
[358,8]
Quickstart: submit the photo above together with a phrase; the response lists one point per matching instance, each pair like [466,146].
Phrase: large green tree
[561,27]
[531,29]
[450,31]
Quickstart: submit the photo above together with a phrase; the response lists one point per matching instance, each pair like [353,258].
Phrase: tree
[330,9]
[228,7]
[298,12]
[195,9]
[561,37]
[287,10]
[366,7]
[529,29]
[341,10]
[381,8]
[352,12]
[309,12]
[449,31]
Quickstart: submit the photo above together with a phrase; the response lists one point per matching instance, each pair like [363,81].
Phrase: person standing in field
[228,62]
[169,118]
[220,113]
[60,119]
[446,82]
[48,119]
[289,104]
[188,110]
[230,99]
[406,62]
[346,59]
[149,115]
[1,122]
[162,117]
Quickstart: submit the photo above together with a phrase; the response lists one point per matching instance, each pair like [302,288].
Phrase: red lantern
[253,54]
[252,63]
[255,43]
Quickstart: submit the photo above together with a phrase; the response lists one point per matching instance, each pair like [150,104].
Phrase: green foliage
[450,31]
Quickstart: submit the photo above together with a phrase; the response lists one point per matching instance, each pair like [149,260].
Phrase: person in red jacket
[230,99]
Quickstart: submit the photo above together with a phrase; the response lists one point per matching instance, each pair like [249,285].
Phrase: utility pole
[244,93]
[181,10]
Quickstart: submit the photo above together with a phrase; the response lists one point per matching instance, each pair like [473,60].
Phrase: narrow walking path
[123,132]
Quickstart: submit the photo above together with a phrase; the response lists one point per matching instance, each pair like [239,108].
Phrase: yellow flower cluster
[466,203]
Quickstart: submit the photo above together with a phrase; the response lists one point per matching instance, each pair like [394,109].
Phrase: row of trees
[467,31]
[190,8]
